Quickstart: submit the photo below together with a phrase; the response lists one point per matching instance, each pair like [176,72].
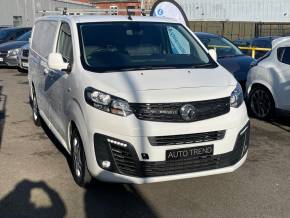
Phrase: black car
[9,50]
[263,42]
[12,33]
[229,56]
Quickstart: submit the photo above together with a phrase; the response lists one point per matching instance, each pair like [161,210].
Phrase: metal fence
[241,30]
[272,29]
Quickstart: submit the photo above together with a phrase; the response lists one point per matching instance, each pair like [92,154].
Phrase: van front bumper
[127,167]
[107,176]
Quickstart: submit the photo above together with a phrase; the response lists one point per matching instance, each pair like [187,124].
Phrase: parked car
[4,27]
[263,42]
[142,102]
[229,56]
[9,50]
[12,33]
[268,84]
[243,43]
[22,57]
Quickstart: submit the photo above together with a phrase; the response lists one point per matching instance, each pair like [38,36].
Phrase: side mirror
[213,54]
[55,62]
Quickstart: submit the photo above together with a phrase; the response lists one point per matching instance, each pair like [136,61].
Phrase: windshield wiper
[183,66]
[230,56]
[147,68]
[208,65]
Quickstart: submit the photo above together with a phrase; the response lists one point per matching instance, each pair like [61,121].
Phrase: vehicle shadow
[7,67]
[3,100]
[19,202]
[23,71]
[108,199]
[55,141]
[282,122]
[115,200]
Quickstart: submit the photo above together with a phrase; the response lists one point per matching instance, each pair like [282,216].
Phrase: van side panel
[43,41]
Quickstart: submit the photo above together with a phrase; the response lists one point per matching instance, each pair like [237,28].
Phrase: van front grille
[170,112]
[187,139]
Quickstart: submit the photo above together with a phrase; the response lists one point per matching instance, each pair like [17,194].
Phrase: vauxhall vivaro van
[135,100]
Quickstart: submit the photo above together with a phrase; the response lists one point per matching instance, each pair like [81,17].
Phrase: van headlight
[13,52]
[107,103]
[237,97]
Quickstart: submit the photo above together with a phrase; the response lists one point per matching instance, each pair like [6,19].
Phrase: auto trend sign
[170,9]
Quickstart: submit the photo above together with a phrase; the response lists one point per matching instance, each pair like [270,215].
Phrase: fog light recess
[106,164]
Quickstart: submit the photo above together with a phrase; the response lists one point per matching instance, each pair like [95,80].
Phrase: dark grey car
[12,33]
[9,50]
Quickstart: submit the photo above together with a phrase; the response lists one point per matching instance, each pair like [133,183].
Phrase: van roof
[97,18]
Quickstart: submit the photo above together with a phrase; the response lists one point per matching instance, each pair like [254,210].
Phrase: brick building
[147,4]
[114,5]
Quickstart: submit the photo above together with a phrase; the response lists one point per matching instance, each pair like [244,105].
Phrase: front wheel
[79,166]
[261,103]
[35,110]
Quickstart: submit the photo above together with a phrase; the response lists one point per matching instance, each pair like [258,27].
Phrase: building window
[17,21]
[113,10]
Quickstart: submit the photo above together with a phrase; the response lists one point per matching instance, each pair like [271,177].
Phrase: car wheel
[35,111]
[79,166]
[261,103]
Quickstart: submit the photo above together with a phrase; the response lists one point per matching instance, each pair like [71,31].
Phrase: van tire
[35,111]
[79,167]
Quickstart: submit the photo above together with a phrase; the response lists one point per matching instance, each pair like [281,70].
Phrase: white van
[135,100]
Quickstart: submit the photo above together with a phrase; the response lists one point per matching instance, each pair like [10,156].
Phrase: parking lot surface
[35,177]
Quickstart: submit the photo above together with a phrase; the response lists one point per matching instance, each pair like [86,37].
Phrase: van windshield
[139,46]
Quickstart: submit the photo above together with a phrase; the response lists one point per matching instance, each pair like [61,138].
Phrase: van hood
[124,84]
[167,79]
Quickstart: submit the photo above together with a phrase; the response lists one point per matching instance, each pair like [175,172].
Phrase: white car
[135,99]
[268,83]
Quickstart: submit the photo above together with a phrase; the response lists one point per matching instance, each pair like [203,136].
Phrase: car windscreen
[224,47]
[139,45]
[4,34]
[24,37]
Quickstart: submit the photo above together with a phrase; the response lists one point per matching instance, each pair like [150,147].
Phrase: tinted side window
[64,45]
[19,33]
[43,37]
[283,54]
[12,36]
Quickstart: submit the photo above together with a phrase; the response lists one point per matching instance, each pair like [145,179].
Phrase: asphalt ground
[35,177]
